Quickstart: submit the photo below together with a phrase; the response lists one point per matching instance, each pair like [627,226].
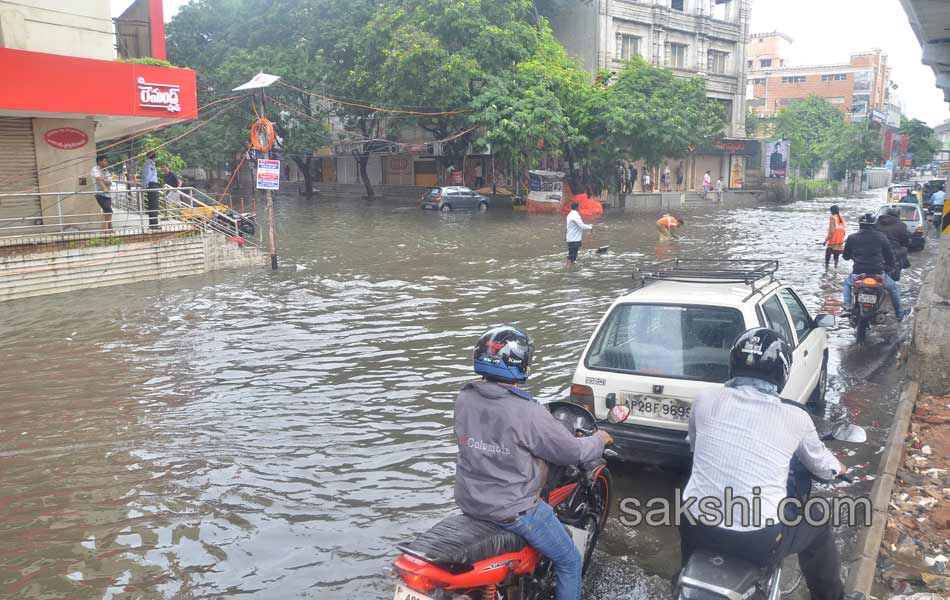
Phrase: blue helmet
[504,354]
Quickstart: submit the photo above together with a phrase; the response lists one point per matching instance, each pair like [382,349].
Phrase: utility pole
[262,81]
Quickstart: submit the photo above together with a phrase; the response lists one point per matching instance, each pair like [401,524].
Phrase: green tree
[811,125]
[921,141]
[851,148]
[163,156]
[213,38]
[649,114]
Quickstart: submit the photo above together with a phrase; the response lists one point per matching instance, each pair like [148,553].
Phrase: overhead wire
[374,108]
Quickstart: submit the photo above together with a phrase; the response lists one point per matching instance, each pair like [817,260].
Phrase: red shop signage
[66,138]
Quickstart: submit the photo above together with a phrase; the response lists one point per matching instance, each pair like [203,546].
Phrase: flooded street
[274,435]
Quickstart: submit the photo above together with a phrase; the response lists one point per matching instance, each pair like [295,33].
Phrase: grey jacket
[505,439]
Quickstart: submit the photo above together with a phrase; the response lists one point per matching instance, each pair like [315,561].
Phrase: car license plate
[404,593]
[867,298]
[657,407]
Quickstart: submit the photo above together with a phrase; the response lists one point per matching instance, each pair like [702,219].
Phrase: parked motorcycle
[462,558]
[715,576]
[246,222]
[869,294]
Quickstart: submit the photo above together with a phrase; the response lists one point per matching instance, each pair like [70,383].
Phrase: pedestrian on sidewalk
[102,181]
[631,177]
[171,180]
[679,177]
[665,179]
[621,179]
[150,181]
[834,241]
[707,183]
[719,189]
[575,233]
[647,184]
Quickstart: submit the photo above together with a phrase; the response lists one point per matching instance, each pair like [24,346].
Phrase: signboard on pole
[268,174]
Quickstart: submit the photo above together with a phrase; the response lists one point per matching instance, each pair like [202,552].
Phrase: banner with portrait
[776,159]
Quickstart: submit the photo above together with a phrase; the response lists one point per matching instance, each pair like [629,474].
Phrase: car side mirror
[611,401]
[825,320]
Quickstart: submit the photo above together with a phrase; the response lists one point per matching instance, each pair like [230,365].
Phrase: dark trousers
[829,253]
[815,546]
[152,198]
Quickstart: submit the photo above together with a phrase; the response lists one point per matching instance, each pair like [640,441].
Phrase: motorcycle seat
[462,540]
[713,572]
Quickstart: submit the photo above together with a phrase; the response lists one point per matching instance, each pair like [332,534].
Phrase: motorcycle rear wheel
[861,330]
[599,503]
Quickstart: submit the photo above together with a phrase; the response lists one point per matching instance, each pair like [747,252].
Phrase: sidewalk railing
[180,209]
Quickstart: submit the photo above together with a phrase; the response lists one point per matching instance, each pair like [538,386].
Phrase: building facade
[66,90]
[859,88]
[704,38]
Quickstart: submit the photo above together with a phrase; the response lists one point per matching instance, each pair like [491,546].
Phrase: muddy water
[273,435]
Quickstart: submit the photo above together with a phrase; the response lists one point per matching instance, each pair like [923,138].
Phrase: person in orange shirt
[667,225]
[834,241]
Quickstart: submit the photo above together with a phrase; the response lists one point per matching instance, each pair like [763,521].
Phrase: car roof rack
[711,270]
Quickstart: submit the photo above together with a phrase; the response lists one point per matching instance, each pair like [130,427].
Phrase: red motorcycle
[462,558]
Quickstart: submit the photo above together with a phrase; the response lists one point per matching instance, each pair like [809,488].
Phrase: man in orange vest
[667,225]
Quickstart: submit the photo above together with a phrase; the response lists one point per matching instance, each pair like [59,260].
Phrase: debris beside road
[915,552]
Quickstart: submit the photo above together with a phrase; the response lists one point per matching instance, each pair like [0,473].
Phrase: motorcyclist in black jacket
[890,224]
[872,255]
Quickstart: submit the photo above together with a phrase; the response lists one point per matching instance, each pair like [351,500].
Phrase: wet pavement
[274,435]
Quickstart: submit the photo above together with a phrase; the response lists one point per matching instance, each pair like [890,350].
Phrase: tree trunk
[304,166]
[362,160]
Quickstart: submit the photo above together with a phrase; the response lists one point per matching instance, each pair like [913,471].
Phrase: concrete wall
[25,275]
[71,27]
[65,170]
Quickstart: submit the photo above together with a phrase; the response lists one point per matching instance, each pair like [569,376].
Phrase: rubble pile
[915,552]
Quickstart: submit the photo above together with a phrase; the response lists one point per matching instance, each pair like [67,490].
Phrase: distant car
[454,197]
[912,218]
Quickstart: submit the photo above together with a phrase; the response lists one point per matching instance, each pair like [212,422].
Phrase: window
[775,318]
[716,61]
[758,81]
[628,46]
[835,77]
[689,342]
[765,62]
[801,320]
[794,79]
[676,4]
[750,64]
[677,56]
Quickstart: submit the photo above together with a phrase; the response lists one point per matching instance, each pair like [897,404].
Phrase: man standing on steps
[150,180]
[575,233]
[707,183]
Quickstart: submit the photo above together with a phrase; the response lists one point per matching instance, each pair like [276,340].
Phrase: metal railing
[180,209]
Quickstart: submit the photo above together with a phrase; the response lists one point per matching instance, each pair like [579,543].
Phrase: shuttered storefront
[18,172]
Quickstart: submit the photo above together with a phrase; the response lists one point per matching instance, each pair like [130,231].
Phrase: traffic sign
[268,174]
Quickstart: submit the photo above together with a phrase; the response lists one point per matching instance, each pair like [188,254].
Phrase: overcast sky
[827,31]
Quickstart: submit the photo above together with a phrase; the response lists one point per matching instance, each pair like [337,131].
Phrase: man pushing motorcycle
[506,441]
[744,439]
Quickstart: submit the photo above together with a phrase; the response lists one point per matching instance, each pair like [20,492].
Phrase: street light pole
[271,229]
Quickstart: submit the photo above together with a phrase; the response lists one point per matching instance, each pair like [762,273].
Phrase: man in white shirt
[575,233]
[102,182]
[744,440]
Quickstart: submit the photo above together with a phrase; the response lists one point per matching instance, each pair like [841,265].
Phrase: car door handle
[806,354]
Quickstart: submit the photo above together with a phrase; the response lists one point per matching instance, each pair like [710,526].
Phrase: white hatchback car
[659,345]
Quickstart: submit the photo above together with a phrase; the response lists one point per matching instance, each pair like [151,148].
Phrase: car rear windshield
[662,340]
[908,213]
[434,192]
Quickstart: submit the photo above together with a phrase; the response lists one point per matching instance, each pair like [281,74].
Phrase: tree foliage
[812,126]
[163,156]
[921,140]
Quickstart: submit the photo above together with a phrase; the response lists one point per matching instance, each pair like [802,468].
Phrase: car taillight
[584,396]
[869,281]
[420,583]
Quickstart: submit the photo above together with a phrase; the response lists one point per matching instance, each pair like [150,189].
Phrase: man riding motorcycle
[744,438]
[872,255]
[890,224]
[506,440]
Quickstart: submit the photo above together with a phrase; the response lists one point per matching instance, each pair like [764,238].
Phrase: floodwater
[274,435]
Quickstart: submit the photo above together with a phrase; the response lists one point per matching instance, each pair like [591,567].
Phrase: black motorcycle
[868,295]
[716,576]
[246,223]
